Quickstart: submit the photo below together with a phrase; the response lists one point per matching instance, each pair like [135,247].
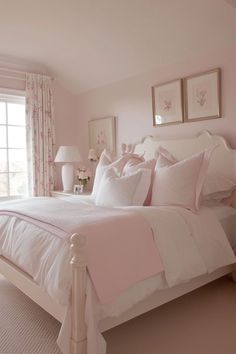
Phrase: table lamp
[68,155]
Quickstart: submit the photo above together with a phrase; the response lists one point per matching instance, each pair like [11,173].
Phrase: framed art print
[102,134]
[167,103]
[202,96]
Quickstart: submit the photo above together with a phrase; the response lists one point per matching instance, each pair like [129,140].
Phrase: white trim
[22,72]
[13,92]
[12,96]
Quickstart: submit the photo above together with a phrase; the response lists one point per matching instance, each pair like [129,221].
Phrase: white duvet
[190,245]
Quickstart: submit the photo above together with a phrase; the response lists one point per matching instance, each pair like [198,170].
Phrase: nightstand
[61,194]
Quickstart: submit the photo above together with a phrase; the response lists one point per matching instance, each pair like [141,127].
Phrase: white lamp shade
[68,154]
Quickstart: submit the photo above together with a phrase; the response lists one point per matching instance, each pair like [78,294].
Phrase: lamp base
[67,174]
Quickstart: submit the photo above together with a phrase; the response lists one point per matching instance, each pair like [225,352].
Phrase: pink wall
[130,101]
[65,121]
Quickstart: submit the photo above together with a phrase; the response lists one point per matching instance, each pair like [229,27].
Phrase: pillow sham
[125,190]
[164,158]
[136,163]
[106,161]
[218,188]
[180,184]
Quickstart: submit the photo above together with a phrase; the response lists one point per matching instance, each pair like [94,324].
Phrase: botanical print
[101,138]
[201,96]
[167,103]
[202,100]
[40,134]
[102,134]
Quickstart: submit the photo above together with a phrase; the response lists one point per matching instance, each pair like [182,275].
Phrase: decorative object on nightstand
[83,176]
[102,134]
[67,155]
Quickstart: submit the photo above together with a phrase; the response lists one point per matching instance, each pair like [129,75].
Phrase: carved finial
[78,250]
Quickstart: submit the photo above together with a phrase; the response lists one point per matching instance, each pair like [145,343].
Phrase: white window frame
[11,96]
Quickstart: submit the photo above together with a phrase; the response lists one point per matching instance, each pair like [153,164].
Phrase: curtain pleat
[40,134]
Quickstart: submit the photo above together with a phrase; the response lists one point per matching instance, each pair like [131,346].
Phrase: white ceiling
[91,43]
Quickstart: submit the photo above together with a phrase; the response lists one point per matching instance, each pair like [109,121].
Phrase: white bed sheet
[191,245]
[226,215]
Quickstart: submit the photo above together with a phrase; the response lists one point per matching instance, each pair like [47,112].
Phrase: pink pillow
[125,190]
[136,163]
[180,184]
[106,161]
[164,158]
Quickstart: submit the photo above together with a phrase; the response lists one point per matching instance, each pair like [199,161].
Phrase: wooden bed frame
[223,162]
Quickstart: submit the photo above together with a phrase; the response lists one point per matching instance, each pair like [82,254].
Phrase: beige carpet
[203,322]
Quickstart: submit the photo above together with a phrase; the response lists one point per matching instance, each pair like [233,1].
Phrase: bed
[222,162]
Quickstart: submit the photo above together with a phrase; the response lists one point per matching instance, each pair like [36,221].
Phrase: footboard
[79,273]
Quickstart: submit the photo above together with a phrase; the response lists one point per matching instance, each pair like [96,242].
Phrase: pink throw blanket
[119,244]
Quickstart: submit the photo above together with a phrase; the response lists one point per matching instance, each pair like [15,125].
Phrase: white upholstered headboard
[223,160]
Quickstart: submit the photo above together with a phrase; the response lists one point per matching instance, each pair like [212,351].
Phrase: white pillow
[134,164]
[180,184]
[125,190]
[106,161]
[217,188]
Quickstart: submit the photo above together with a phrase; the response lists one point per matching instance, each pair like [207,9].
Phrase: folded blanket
[120,248]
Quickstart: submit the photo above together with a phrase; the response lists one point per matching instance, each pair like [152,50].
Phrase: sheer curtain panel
[40,134]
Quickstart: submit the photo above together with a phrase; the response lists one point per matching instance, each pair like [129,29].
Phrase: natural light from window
[13,161]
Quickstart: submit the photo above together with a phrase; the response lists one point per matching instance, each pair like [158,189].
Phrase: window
[13,161]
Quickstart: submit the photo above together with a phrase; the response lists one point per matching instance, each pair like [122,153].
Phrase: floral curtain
[40,134]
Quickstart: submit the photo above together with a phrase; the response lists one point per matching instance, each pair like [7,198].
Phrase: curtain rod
[19,72]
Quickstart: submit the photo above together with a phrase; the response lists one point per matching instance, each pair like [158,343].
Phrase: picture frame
[77,189]
[202,96]
[102,134]
[167,103]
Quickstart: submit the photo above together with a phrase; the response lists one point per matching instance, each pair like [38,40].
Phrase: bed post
[78,342]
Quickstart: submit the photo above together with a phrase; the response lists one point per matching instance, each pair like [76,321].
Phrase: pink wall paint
[130,101]
[65,114]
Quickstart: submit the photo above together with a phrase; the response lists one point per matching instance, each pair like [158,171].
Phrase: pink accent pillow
[125,190]
[136,163]
[106,161]
[180,184]
[164,158]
